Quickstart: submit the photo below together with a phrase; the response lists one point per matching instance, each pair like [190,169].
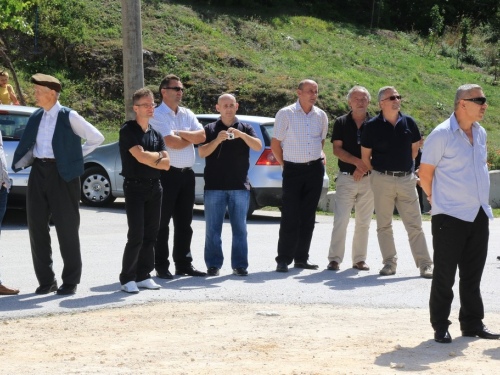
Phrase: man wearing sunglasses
[180,129]
[454,175]
[390,143]
[353,183]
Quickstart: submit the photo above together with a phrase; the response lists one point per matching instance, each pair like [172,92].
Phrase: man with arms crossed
[454,175]
[389,145]
[180,129]
[353,183]
[302,128]
[51,144]
[226,185]
[143,155]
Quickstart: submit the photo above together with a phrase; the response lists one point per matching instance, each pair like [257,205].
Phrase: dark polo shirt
[131,135]
[227,167]
[346,130]
[391,145]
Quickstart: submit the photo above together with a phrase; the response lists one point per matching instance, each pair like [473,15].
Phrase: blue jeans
[3,208]
[215,202]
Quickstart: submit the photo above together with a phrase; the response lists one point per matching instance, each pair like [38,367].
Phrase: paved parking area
[103,236]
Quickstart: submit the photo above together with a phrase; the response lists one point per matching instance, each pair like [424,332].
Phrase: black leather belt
[181,169]
[308,163]
[45,160]
[395,173]
[350,174]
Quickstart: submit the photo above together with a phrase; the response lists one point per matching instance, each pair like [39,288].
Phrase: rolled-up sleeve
[87,131]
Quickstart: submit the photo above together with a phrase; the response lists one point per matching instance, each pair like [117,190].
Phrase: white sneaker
[130,287]
[148,284]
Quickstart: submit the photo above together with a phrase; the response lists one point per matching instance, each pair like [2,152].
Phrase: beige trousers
[400,191]
[351,194]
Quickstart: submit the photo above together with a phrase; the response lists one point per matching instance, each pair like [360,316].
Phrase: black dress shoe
[66,289]
[190,271]
[282,267]
[306,265]
[46,289]
[213,271]
[164,275]
[482,332]
[240,272]
[442,336]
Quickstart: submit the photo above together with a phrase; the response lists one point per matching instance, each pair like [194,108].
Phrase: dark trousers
[461,244]
[143,205]
[178,202]
[302,186]
[48,195]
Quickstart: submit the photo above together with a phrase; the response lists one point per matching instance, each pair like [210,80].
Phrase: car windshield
[12,125]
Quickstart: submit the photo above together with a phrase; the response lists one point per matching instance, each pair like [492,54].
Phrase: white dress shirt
[167,122]
[80,126]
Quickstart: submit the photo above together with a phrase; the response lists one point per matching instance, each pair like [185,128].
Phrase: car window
[12,125]
[267,133]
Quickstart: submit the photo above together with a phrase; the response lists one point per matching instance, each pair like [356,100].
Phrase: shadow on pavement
[422,355]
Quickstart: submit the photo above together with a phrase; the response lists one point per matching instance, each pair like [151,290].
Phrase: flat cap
[47,81]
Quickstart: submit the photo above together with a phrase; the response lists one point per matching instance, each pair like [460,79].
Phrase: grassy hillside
[259,57]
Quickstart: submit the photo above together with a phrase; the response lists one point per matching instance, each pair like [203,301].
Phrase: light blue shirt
[461,183]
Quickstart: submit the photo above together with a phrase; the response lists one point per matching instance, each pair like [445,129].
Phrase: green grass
[259,56]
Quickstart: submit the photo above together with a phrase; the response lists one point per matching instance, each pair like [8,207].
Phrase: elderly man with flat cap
[51,145]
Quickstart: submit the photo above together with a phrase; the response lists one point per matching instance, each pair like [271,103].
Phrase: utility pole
[133,67]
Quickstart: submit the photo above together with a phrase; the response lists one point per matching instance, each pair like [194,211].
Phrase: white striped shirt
[166,122]
[301,133]
[80,126]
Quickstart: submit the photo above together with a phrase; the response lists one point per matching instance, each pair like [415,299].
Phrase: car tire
[96,188]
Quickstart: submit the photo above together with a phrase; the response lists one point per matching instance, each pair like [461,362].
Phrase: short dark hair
[166,80]
[141,93]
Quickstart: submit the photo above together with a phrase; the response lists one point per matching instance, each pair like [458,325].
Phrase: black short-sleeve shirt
[227,167]
[391,145]
[346,130]
[131,135]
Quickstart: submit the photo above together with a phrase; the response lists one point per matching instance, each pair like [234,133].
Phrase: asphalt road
[103,236]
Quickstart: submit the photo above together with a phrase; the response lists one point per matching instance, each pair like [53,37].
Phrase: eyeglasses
[175,88]
[359,136]
[392,98]
[481,100]
[146,105]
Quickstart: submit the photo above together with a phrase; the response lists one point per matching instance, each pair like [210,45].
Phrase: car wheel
[96,187]
[252,206]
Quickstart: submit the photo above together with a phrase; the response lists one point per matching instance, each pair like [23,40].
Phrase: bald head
[227,107]
[225,97]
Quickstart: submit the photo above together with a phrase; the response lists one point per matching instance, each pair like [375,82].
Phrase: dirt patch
[231,338]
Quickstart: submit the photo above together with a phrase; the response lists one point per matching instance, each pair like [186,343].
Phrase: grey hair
[382,91]
[359,88]
[463,90]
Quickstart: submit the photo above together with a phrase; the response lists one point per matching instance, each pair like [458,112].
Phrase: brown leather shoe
[7,291]
[362,266]
[333,266]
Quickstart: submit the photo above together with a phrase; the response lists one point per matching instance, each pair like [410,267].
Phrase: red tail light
[267,158]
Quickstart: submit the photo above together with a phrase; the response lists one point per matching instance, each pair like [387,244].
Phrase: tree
[437,26]
[13,17]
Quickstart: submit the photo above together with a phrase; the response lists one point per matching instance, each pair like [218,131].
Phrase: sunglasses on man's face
[481,100]
[392,98]
[175,88]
